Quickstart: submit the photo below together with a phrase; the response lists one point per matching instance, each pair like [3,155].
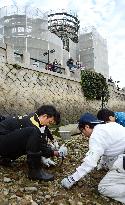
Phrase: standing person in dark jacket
[29,135]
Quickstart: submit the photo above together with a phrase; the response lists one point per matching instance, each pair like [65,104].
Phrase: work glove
[47,161]
[68,182]
[55,145]
[63,151]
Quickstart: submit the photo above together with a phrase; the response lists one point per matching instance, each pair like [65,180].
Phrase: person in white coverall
[106,148]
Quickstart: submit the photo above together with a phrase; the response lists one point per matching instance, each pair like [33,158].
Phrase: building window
[29,29]
[20,29]
[13,30]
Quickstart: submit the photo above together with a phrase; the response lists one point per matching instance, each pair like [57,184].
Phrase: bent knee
[104,188]
[111,190]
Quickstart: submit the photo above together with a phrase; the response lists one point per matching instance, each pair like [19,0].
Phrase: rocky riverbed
[17,189]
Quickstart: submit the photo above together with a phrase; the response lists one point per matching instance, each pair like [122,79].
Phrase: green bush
[94,85]
[16,66]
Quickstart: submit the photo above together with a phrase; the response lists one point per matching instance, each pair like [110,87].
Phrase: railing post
[26,59]
[10,53]
[67,71]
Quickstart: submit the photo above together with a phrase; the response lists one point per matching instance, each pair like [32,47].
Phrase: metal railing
[37,63]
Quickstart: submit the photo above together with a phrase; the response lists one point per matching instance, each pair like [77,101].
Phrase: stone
[30,189]
[6,180]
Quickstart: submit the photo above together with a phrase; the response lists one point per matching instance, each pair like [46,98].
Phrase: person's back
[9,124]
[111,138]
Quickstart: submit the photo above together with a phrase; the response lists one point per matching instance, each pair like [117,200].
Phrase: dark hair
[50,111]
[104,114]
[82,125]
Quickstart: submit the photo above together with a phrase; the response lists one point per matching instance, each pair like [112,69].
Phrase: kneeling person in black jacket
[29,135]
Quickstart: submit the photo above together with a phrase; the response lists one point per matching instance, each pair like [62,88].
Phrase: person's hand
[68,182]
[55,145]
[63,151]
[47,161]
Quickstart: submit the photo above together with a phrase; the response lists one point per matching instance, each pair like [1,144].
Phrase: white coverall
[106,141]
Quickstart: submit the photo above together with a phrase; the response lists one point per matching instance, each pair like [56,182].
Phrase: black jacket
[19,135]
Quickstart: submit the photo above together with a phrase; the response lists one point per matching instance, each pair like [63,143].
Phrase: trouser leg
[14,144]
[113,184]
[19,142]
[25,141]
[35,171]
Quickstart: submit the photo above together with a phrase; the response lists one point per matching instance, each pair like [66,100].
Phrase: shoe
[40,174]
[6,162]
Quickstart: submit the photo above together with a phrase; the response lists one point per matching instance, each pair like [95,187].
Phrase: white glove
[68,182]
[63,151]
[47,161]
[55,145]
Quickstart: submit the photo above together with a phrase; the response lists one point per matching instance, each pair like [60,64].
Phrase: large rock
[68,130]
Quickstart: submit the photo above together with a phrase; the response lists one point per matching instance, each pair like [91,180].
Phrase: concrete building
[39,32]
[33,32]
[93,51]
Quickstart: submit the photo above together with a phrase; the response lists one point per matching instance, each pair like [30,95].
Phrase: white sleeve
[96,150]
[90,162]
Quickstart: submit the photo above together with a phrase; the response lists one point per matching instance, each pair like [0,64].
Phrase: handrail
[37,60]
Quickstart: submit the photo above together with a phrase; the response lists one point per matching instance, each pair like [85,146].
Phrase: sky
[107,16]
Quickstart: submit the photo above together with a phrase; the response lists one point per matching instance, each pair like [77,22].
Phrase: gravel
[17,189]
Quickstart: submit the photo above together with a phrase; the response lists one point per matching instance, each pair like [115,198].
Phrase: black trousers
[19,142]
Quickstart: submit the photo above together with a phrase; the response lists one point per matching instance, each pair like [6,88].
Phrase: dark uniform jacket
[21,135]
